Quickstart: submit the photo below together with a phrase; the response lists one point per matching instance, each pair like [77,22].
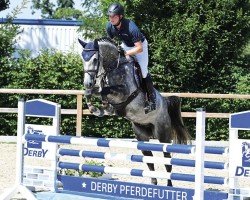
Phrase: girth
[120,107]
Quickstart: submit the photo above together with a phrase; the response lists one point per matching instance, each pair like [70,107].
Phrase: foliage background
[195,46]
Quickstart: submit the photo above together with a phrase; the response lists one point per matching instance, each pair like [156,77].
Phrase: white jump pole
[199,154]
[19,188]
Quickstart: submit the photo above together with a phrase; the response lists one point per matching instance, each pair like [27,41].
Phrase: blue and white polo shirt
[129,33]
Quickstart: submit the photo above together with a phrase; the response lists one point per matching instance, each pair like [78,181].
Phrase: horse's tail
[180,133]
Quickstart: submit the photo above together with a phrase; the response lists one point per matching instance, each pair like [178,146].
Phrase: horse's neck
[123,74]
[108,53]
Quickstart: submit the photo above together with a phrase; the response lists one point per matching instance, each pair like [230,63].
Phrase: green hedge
[195,46]
[54,70]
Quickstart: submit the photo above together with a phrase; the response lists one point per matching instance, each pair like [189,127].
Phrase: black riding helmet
[115,9]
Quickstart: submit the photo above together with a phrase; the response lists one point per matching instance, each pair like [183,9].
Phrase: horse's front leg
[99,112]
[108,108]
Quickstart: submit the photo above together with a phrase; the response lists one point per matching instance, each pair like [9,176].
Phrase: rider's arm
[137,49]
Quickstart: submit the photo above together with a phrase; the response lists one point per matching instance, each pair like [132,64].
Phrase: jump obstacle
[42,141]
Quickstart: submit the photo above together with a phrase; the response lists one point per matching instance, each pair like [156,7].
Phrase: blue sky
[26,13]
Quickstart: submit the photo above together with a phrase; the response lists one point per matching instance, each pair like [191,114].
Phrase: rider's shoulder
[132,24]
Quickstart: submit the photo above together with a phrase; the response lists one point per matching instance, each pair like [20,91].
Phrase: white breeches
[142,57]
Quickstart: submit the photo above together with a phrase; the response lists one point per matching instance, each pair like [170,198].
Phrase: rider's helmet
[115,9]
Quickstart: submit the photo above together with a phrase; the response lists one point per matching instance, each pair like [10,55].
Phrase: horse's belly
[140,117]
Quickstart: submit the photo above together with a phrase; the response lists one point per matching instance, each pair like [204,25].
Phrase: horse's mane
[107,39]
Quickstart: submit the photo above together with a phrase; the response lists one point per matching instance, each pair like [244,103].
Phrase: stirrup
[149,107]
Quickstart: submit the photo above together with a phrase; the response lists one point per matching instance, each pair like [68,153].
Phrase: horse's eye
[95,61]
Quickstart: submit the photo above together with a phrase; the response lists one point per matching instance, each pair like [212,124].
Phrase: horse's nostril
[89,85]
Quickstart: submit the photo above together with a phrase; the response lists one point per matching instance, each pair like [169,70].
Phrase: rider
[134,43]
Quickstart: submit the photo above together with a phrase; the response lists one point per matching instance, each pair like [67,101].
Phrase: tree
[94,17]
[8,33]
[4,4]
[67,13]
[65,3]
[63,10]
[45,6]
[194,44]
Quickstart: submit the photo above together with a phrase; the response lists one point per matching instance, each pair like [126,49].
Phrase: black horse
[111,76]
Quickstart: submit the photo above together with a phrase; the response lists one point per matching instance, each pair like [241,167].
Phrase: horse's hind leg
[142,134]
[168,167]
[164,134]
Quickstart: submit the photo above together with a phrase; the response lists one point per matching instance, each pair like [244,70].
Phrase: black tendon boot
[150,103]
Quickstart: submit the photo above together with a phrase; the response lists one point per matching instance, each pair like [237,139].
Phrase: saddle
[138,73]
[120,108]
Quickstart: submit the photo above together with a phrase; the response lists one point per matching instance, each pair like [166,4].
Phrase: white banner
[40,149]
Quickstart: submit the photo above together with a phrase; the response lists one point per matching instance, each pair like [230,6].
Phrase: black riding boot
[150,104]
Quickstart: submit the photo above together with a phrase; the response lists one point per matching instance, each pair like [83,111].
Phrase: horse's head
[91,62]
[97,56]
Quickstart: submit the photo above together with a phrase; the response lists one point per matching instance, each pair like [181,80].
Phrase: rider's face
[114,19]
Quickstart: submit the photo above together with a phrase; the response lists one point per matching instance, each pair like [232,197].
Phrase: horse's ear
[82,43]
[96,46]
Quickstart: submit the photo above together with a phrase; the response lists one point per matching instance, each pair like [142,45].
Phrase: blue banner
[131,190]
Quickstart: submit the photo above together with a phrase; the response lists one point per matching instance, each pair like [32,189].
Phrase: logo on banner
[244,169]
[34,148]
[33,143]
[245,154]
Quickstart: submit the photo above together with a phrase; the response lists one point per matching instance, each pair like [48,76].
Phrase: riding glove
[121,51]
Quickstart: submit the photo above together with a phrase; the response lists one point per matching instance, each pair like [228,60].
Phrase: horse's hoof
[108,113]
[109,110]
[92,109]
[170,183]
[98,112]
[154,181]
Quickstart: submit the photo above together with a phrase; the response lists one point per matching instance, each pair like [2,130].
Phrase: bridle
[95,71]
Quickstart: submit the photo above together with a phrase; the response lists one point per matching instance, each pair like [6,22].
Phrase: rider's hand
[121,51]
